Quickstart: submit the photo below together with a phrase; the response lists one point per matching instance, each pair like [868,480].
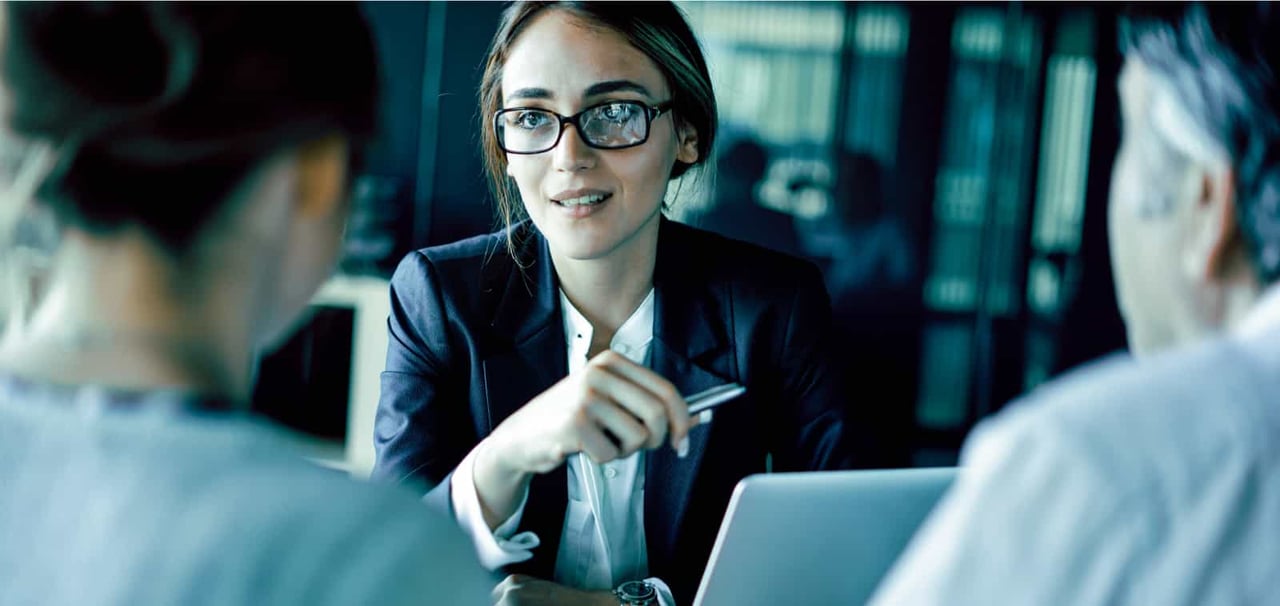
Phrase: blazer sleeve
[422,429]
[813,403]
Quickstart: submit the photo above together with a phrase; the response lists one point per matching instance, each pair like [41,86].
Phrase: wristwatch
[637,593]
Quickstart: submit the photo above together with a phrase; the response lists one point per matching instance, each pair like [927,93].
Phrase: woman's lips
[580,202]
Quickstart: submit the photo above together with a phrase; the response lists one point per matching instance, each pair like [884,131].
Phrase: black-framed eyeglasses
[610,125]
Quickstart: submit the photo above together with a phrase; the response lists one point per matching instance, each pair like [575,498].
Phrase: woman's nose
[571,153]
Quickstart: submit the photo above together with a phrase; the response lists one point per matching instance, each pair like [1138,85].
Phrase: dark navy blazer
[475,333]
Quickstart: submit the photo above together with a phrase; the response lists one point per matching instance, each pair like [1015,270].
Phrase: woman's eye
[617,112]
[530,120]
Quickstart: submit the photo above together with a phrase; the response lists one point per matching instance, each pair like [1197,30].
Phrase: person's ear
[321,166]
[1217,247]
[687,139]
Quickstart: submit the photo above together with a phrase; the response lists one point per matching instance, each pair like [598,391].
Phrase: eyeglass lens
[610,125]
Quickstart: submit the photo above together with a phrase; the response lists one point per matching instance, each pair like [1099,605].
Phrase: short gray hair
[1162,163]
[1220,63]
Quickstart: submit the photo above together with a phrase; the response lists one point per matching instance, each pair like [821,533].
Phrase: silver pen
[711,398]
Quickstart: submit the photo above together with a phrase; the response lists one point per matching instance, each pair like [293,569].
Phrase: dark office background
[946,165]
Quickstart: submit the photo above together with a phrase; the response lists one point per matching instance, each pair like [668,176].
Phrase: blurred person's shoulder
[330,538]
[1138,414]
[197,507]
[1147,465]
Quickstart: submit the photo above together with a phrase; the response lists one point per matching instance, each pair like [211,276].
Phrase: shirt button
[622,348]
[610,472]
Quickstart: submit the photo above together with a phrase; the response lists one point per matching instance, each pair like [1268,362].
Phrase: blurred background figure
[868,255]
[872,258]
[736,211]
[870,266]
[196,160]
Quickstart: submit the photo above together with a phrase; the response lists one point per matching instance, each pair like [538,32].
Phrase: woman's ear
[321,167]
[687,139]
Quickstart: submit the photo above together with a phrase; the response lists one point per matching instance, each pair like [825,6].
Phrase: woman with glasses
[537,376]
[196,158]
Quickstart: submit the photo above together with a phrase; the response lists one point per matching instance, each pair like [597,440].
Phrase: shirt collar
[576,326]
[636,332]
[1264,316]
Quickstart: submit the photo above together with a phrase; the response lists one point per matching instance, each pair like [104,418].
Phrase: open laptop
[816,538]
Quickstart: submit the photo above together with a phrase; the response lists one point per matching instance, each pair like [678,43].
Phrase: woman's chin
[578,240]
[593,239]
[582,249]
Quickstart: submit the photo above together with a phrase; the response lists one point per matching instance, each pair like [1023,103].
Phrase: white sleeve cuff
[496,548]
[664,593]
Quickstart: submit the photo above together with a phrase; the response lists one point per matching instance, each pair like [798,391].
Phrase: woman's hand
[609,409]
[522,590]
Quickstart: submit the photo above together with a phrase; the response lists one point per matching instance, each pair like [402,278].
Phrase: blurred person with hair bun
[199,162]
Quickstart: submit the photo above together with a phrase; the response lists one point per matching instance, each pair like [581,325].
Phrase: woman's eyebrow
[613,86]
[531,93]
[600,88]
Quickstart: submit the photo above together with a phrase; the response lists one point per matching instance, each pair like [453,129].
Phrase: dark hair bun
[87,65]
[155,104]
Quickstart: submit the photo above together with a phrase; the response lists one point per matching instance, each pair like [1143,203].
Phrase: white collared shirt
[1148,481]
[612,493]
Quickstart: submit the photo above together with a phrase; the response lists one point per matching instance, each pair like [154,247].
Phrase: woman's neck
[607,290]
[120,313]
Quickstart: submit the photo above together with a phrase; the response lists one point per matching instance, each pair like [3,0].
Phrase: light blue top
[1148,481]
[109,498]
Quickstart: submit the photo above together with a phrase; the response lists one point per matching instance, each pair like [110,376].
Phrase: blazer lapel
[691,349]
[529,357]
[527,340]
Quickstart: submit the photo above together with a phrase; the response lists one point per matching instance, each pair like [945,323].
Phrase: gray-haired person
[1153,480]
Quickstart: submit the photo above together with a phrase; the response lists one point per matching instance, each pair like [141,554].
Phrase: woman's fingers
[677,411]
[590,431]
[597,446]
[622,407]
[511,583]
[635,400]
[630,433]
